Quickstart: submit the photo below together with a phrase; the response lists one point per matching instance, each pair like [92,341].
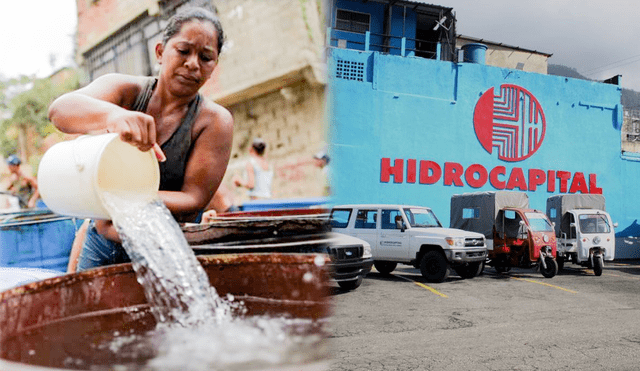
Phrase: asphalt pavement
[514,321]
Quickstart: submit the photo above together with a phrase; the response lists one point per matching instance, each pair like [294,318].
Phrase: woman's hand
[136,128]
[208,216]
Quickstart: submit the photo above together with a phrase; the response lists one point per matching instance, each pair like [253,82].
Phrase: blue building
[413,122]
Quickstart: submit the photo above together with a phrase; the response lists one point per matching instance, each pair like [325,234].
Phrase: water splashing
[175,284]
[209,329]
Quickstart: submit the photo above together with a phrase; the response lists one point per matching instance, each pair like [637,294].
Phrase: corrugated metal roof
[418,4]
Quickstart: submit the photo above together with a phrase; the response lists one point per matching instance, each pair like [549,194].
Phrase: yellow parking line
[424,286]
[545,284]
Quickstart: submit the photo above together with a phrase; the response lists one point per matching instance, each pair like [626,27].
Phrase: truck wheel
[552,268]
[560,261]
[598,265]
[434,267]
[384,267]
[470,270]
[350,285]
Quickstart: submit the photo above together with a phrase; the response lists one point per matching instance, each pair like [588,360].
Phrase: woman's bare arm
[104,106]
[36,193]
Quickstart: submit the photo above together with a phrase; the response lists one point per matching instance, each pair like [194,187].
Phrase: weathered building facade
[270,74]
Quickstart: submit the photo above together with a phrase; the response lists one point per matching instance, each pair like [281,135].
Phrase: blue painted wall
[419,109]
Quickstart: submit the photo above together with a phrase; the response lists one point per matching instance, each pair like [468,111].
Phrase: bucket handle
[77,160]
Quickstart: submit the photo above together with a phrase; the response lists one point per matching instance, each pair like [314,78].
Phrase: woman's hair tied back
[200,13]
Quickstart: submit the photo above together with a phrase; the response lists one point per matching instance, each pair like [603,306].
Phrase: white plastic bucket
[73,175]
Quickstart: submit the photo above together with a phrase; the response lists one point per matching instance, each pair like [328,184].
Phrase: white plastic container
[73,175]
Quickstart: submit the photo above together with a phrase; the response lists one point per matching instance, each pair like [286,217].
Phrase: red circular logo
[511,122]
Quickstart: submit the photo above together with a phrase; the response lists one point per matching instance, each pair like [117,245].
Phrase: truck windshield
[539,222]
[594,223]
[421,218]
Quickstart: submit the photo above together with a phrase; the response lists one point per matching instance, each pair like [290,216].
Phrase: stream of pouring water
[174,282]
[209,336]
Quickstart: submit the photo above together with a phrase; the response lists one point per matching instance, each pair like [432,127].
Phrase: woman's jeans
[98,251]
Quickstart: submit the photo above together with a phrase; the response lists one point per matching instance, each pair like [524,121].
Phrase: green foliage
[7,144]
[29,111]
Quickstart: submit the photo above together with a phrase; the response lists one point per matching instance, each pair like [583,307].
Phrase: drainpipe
[386,28]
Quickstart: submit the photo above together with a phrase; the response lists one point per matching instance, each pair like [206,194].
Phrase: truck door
[393,241]
[365,228]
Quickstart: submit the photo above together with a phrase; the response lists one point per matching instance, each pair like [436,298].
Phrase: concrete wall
[97,19]
[270,44]
[509,57]
[271,77]
[292,123]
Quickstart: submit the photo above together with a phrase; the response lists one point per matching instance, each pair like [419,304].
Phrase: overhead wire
[619,63]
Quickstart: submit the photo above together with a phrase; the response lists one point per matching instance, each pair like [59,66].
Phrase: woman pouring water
[164,113]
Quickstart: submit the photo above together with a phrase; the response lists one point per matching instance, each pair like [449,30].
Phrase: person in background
[164,113]
[321,160]
[23,186]
[258,174]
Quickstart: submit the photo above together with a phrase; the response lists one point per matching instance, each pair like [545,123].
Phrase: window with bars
[131,50]
[347,20]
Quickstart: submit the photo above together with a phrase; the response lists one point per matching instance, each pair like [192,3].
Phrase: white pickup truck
[411,235]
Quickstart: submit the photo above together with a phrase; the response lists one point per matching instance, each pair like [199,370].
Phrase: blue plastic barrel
[36,238]
[289,203]
[474,53]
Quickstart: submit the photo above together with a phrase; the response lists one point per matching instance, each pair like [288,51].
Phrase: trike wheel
[598,265]
[551,269]
[434,267]
[502,268]
[385,267]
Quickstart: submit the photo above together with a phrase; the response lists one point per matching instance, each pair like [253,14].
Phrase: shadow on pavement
[623,266]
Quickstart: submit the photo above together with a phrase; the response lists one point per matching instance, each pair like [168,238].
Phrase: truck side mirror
[572,232]
[522,230]
[615,225]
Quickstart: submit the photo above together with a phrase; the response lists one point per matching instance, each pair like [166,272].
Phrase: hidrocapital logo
[512,122]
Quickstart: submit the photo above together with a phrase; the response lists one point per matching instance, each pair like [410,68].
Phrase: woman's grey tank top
[178,147]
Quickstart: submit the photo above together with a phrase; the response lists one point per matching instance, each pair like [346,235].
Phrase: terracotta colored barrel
[44,323]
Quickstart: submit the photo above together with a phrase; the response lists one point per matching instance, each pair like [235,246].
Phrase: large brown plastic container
[44,323]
